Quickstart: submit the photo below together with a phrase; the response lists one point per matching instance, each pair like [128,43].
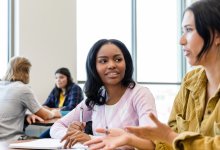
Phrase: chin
[191,62]
[59,87]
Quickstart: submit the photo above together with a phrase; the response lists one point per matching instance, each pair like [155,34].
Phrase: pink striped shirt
[131,110]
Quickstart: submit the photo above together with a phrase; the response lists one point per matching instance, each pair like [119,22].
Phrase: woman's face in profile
[191,41]
[60,80]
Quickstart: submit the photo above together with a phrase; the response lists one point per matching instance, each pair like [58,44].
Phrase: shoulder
[53,90]
[139,93]
[75,86]
[139,89]
[21,87]
[141,98]
[20,90]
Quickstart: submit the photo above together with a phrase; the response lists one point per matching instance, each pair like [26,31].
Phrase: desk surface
[41,144]
[4,145]
[49,122]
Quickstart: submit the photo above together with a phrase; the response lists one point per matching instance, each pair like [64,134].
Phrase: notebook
[46,144]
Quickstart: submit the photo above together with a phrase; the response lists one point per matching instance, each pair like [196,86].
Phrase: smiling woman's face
[110,64]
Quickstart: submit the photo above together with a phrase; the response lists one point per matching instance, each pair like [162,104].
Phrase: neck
[213,76]
[63,91]
[212,70]
[115,93]
[212,66]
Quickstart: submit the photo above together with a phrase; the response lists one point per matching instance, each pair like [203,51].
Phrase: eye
[118,59]
[188,29]
[102,61]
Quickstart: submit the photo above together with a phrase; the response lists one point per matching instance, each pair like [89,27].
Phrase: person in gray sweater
[16,97]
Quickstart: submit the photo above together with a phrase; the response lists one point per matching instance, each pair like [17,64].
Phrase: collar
[196,80]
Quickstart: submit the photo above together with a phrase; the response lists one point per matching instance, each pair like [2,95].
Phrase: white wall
[46,34]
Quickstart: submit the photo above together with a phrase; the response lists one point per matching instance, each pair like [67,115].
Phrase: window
[99,19]
[157,41]
[3,36]
[157,51]
[152,39]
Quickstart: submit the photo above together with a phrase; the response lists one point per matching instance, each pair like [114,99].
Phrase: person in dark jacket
[65,96]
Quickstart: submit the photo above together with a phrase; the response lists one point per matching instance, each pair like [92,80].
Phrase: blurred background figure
[16,97]
[65,96]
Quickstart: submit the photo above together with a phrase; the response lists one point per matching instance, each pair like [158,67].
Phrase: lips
[186,52]
[112,74]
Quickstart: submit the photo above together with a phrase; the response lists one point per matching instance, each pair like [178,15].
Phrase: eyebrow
[187,25]
[107,57]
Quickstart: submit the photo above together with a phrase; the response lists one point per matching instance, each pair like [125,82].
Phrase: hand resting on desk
[33,118]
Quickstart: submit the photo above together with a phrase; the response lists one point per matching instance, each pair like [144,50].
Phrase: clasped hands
[75,133]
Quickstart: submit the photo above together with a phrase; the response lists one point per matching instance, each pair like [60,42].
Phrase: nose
[182,40]
[57,80]
[111,64]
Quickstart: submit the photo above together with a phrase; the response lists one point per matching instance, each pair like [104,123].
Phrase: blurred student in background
[65,96]
[16,97]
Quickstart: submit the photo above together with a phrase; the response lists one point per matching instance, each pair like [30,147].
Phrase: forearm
[47,114]
[48,108]
[58,130]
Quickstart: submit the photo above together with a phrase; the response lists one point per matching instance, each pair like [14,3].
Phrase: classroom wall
[45,32]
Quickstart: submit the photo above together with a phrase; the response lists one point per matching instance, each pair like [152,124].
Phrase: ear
[217,38]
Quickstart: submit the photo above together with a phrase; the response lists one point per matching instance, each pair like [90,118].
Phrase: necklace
[106,125]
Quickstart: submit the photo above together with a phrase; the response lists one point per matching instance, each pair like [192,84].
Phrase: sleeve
[50,102]
[29,100]
[75,96]
[59,128]
[192,140]
[144,105]
[162,146]
[177,109]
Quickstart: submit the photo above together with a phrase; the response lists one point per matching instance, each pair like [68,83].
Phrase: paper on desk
[45,144]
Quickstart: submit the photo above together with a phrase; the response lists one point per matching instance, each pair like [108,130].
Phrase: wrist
[52,114]
[170,137]
[129,140]
[56,113]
